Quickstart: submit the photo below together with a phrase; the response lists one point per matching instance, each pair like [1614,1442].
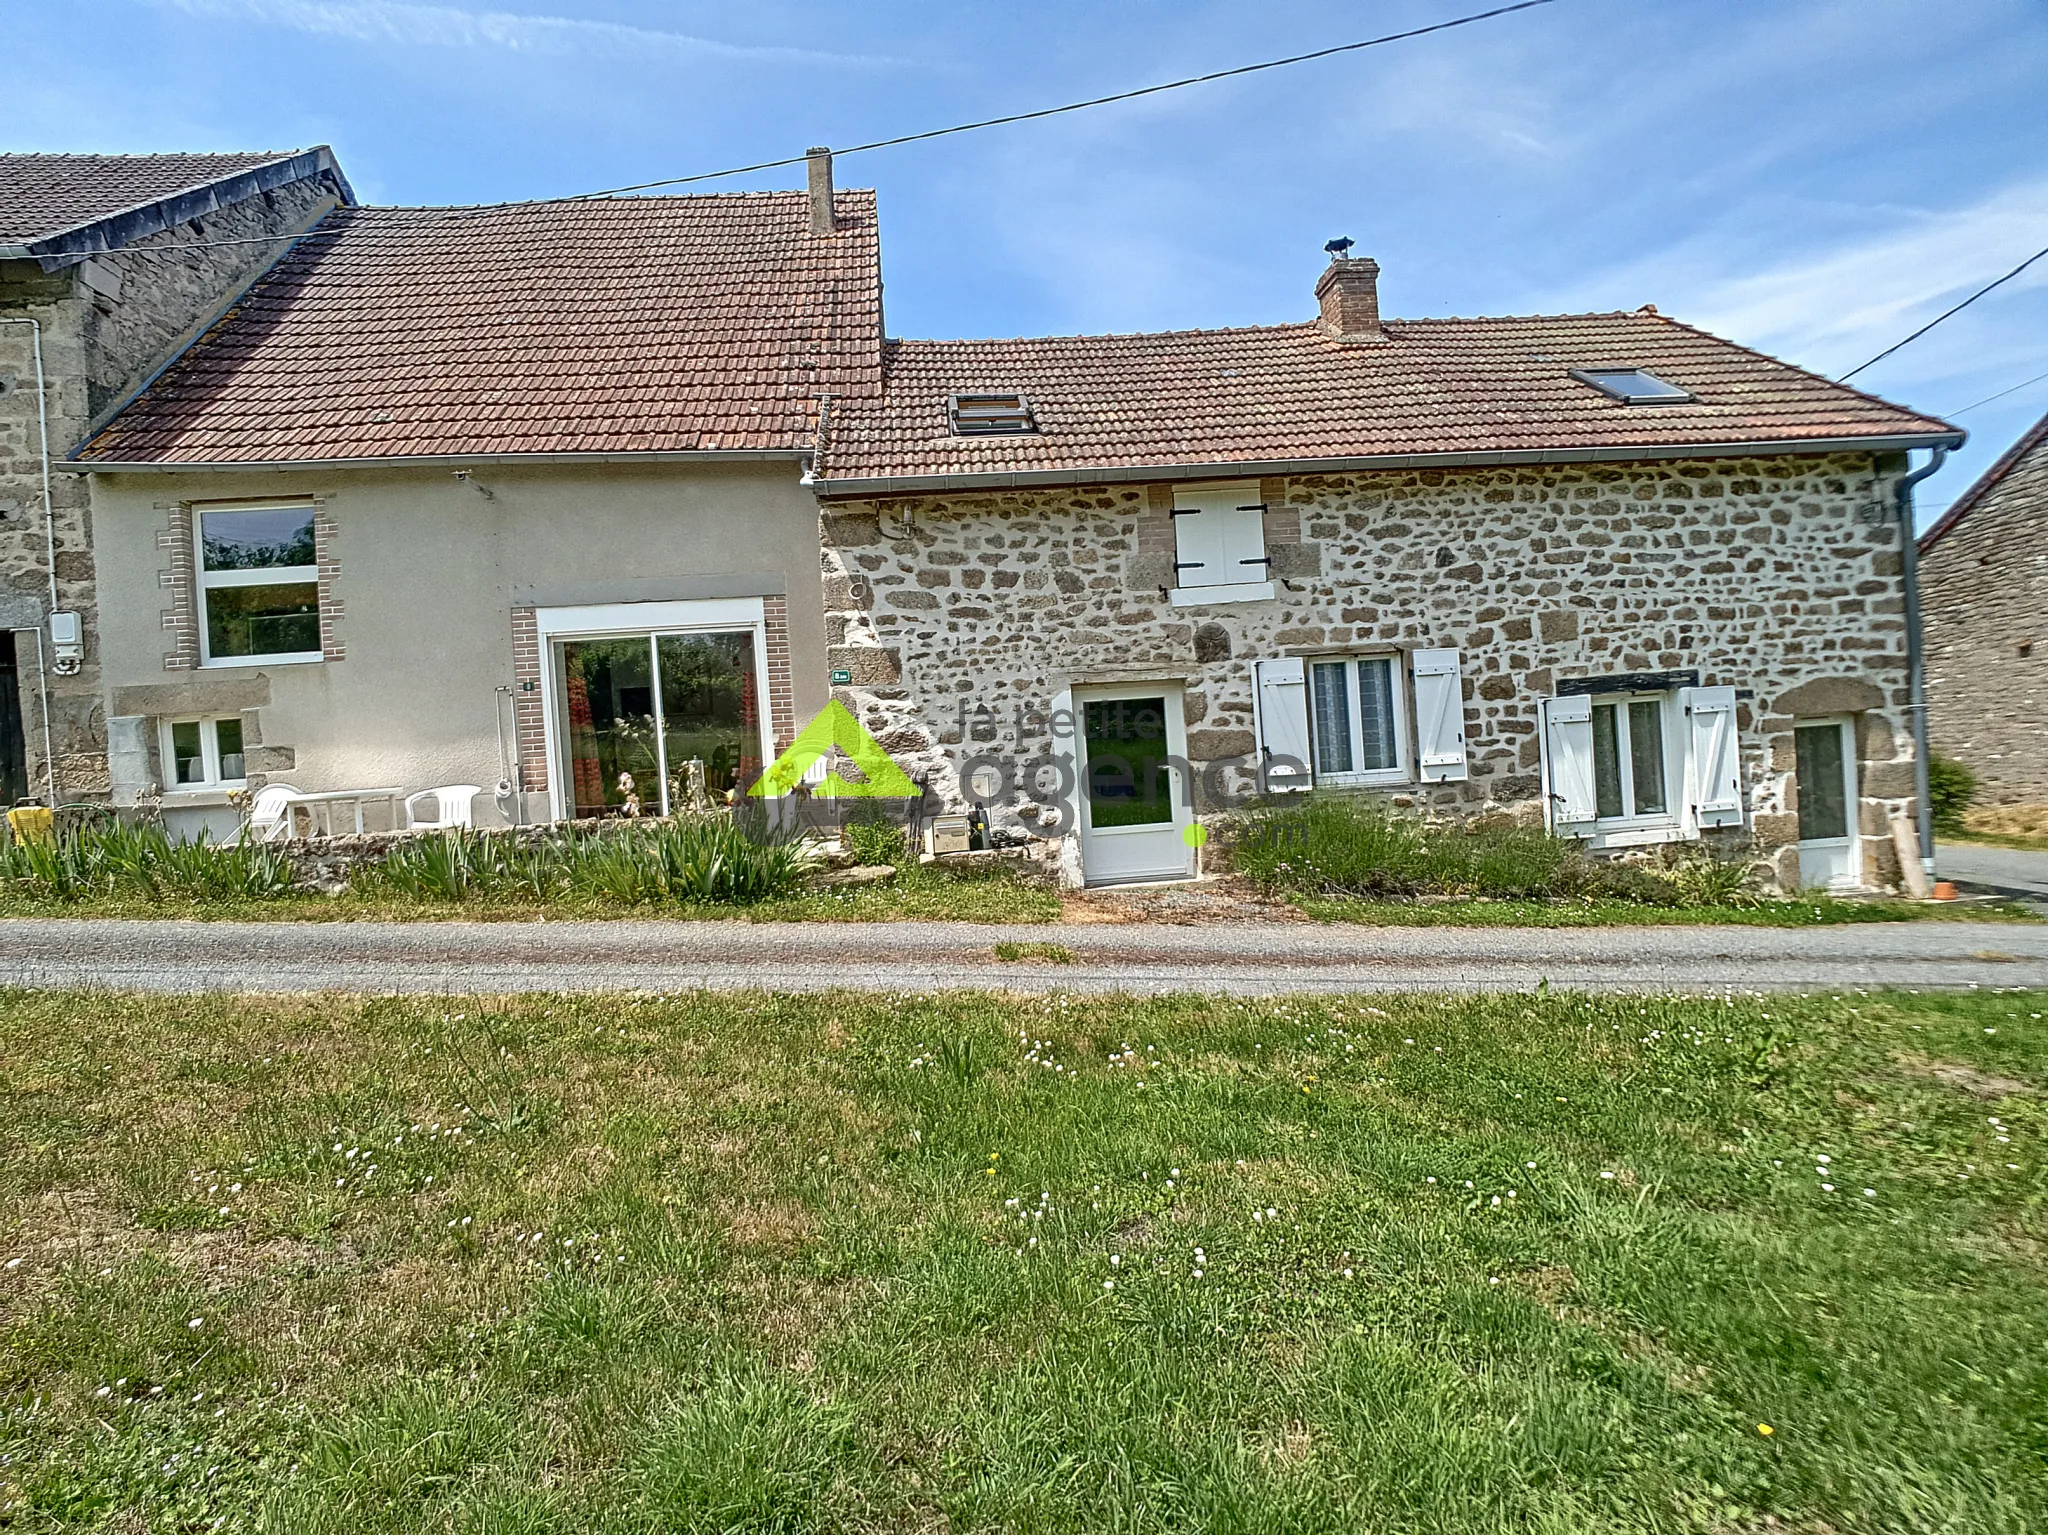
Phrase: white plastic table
[329,798]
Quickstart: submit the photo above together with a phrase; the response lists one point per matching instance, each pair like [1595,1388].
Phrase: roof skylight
[1632,386]
[990,415]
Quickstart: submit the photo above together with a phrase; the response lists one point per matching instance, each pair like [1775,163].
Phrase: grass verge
[750,1263]
[1820,912]
[916,894]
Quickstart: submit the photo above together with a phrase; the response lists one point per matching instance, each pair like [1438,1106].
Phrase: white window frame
[1218,500]
[204,580]
[633,620]
[1657,826]
[209,754]
[1403,770]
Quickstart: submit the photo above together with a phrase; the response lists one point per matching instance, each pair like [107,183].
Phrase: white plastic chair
[453,806]
[270,813]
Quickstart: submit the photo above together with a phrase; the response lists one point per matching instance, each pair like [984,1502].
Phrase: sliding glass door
[653,720]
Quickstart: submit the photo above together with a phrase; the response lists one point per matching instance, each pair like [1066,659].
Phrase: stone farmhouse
[92,302]
[531,497]
[509,498]
[1984,597]
[1604,570]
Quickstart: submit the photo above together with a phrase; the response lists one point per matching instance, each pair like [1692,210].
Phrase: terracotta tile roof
[43,195]
[1290,392]
[635,325]
[2036,436]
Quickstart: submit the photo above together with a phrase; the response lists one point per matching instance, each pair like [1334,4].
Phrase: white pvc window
[1632,760]
[1358,720]
[259,586]
[203,754]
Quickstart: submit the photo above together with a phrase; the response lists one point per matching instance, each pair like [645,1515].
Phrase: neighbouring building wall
[107,323]
[428,590]
[1984,601]
[1779,577]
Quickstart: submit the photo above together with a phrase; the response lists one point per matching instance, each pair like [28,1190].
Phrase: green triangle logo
[836,726]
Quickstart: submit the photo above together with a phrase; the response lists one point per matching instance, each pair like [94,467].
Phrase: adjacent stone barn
[1984,594]
[1604,571]
[109,265]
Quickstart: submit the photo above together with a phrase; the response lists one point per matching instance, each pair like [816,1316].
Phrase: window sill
[1393,778]
[295,658]
[200,797]
[1623,834]
[1205,596]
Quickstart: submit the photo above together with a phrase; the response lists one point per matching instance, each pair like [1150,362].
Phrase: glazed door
[1828,853]
[1135,814]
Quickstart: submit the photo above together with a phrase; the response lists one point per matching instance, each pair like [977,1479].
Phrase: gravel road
[1248,958]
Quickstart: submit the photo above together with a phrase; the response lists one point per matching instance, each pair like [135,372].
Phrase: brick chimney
[1349,293]
[820,164]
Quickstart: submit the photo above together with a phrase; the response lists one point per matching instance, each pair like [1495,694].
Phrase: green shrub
[1950,789]
[1337,845]
[109,858]
[712,860]
[873,838]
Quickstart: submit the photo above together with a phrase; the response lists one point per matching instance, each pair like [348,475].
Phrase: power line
[2016,388]
[907,138]
[1958,309]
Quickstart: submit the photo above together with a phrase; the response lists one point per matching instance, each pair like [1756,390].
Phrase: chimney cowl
[819,163]
[1349,293]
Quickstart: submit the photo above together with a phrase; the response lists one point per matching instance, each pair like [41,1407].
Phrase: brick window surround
[180,580]
[529,707]
[1155,522]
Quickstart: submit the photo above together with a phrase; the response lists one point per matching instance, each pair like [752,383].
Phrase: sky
[1814,178]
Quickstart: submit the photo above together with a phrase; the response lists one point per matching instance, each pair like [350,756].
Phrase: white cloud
[447,26]
[1846,303]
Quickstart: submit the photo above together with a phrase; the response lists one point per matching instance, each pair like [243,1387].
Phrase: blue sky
[1812,177]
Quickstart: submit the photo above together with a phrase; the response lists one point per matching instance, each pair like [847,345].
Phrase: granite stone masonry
[1984,600]
[108,322]
[1779,577]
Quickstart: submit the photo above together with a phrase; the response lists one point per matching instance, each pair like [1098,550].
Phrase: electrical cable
[907,138]
[2016,388]
[1958,309]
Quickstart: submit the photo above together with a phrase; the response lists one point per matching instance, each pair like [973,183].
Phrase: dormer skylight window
[990,415]
[1633,386]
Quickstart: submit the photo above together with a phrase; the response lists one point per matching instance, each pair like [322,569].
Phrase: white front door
[1828,853]
[1135,814]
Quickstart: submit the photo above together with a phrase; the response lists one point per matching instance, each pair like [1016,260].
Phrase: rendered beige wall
[429,571]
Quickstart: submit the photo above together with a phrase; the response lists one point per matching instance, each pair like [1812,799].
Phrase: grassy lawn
[755,1263]
[1822,911]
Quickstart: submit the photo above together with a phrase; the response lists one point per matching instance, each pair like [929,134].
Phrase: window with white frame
[1631,769]
[1219,541]
[259,586]
[1357,720]
[203,754]
[1628,766]
[1346,721]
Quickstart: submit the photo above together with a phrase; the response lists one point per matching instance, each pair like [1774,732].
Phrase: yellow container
[31,823]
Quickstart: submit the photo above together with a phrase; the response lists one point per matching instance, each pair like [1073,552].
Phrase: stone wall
[1984,602]
[1778,577]
[107,324]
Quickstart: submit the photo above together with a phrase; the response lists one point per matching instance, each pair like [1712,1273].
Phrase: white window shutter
[1243,521]
[1200,558]
[1572,804]
[1439,716]
[1714,761]
[1282,715]
[1219,537]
